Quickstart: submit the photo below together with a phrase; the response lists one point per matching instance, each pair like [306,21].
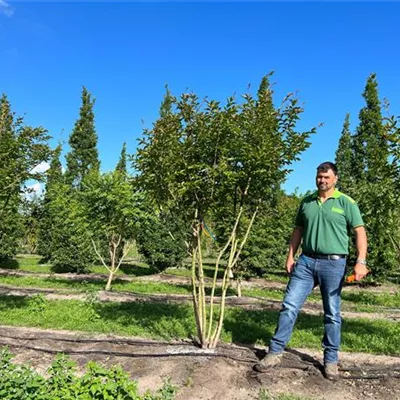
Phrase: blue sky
[125,53]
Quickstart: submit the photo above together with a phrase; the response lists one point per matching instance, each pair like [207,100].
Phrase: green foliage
[161,240]
[31,211]
[267,245]
[173,321]
[111,204]
[71,246]
[83,156]
[122,162]
[47,223]
[11,228]
[204,157]
[220,164]
[371,180]
[19,382]
[345,158]
[114,210]
[22,149]
[37,303]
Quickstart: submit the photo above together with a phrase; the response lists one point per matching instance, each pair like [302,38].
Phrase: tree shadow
[8,303]
[97,284]
[9,263]
[158,319]
[136,270]
[258,326]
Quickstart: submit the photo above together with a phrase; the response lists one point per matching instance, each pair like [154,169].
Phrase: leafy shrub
[161,241]
[20,382]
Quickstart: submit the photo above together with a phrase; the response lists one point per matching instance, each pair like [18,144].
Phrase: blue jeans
[308,273]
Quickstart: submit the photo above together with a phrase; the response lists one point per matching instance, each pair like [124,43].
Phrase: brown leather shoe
[269,361]
[331,371]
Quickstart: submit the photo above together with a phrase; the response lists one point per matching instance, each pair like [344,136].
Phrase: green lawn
[33,263]
[356,300]
[172,321]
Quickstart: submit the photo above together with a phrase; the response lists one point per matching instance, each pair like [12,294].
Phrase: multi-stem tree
[220,162]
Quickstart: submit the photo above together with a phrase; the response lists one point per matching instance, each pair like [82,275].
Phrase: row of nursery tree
[208,180]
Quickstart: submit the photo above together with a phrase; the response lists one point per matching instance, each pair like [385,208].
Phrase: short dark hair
[327,165]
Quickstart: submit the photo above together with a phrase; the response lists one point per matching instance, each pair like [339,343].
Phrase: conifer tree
[166,104]
[122,163]
[344,159]
[83,156]
[373,182]
[47,220]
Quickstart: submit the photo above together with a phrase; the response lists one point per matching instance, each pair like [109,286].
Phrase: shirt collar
[336,194]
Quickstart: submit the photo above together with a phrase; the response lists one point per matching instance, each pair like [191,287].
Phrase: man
[322,225]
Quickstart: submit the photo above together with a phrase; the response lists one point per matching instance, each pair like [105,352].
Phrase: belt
[325,256]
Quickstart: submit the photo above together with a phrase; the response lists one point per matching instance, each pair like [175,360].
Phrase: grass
[117,286]
[82,286]
[175,321]
[364,301]
[34,263]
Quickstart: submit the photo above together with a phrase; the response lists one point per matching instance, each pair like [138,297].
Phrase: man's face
[325,180]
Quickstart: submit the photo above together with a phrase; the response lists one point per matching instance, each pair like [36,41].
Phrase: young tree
[83,156]
[114,210]
[203,159]
[22,149]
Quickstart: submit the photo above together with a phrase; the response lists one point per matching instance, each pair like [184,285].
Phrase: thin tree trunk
[109,281]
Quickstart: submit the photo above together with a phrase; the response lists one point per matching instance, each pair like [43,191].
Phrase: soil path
[184,280]
[224,373]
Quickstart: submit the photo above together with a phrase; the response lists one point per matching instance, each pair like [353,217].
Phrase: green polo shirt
[326,225]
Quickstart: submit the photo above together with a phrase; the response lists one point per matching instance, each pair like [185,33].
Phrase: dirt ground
[225,373]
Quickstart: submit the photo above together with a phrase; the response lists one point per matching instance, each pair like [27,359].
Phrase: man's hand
[360,271]
[290,263]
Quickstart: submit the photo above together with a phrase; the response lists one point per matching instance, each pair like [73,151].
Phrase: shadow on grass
[9,264]
[97,284]
[162,320]
[137,270]
[255,326]
[10,302]
[373,299]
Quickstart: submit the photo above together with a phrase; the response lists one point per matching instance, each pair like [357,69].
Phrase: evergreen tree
[371,148]
[373,182]
[83,156]
[167,103]
[47,220]
[344,159]
[122,163]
